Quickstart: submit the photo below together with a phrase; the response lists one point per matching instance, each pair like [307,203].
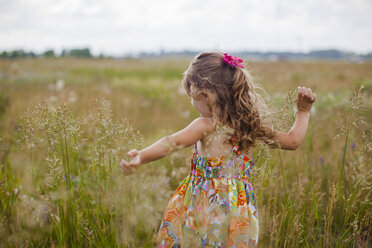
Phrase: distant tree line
[327,54]
[332,54]
[84,52]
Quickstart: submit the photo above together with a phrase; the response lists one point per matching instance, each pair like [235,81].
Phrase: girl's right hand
[135,161]
[305,99]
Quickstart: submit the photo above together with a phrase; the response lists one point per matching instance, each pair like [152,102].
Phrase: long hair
[234,98]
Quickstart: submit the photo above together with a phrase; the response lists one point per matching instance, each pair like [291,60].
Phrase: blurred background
[83,82]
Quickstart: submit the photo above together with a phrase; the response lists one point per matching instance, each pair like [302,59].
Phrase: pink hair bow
[233,61]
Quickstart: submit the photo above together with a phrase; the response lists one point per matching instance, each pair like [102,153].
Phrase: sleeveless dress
[214,206]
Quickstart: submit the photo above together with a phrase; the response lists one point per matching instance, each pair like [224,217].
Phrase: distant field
[60,183]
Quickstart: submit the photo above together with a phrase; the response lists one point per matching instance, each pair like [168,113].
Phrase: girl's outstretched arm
[184,138]
[294,138]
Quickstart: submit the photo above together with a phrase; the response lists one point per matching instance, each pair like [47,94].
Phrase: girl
[215,204]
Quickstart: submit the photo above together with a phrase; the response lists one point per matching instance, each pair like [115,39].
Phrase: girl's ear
[204,93]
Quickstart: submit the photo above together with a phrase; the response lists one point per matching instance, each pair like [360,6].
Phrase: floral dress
[214,206]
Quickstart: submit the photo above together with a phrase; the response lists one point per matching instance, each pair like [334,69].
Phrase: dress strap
[235,146]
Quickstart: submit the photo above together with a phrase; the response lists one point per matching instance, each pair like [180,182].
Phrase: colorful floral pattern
[214,205]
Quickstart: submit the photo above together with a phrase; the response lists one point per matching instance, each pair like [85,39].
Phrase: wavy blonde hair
[235,100]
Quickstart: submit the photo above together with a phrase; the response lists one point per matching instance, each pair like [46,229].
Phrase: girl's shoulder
[205,123]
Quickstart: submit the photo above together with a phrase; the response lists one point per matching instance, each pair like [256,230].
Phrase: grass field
[66,123]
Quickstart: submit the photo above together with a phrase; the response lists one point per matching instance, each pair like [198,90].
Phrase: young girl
[215,203]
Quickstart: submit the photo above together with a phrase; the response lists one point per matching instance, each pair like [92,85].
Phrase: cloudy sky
[117,27]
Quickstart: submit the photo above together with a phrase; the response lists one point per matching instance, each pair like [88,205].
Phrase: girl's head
[228,95]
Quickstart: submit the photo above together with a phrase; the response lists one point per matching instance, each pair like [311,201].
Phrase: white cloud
[118,26]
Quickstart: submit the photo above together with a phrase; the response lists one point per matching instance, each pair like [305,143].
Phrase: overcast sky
[120,26]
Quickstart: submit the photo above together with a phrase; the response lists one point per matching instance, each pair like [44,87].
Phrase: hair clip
[233,61]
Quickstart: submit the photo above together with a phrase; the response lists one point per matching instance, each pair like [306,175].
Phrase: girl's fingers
[132,152]
[306,93]
[123,162]
[124,165]
[127,168]
[299,91]
[302,92]
[312,97]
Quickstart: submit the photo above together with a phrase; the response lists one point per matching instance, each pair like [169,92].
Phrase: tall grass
[298,211]
[60,182]
[73,194]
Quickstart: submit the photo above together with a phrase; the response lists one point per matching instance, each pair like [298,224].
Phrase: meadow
[66,123]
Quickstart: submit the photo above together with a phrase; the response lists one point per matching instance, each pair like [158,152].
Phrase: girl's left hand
[135,161]
[305,99]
